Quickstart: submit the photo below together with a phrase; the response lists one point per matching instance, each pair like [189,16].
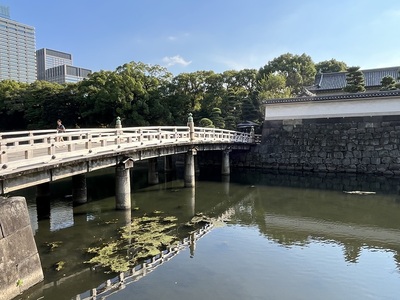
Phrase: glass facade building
[17,49]
[47,58]
[56,66]
[66,74]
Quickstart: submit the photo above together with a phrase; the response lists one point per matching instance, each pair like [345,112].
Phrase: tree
[355,80]
[388,83]
[398,80]
[205,122]
[216,118]
[330,66]
[101,99]
[232,109]
[12,105]
[273,86]
[299,70]
[44,104]
[213,94]
[134,92]
[249,111]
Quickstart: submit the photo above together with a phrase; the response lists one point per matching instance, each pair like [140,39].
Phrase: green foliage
[273,86]
[299,70]
[205,122]
[59,265]
[249,111]
[143,95]
[53,245]
[11,105]
[216,117]
[388,83]
[355,80]
[20,282]
[330,66]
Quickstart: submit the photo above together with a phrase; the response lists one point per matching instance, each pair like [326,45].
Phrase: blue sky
[217,35]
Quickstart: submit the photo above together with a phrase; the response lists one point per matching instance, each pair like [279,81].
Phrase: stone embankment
[352,145]
[20,266]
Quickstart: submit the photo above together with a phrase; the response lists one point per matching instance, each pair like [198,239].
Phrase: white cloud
[176,60]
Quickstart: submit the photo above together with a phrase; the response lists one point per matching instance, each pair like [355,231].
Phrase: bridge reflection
[283,211]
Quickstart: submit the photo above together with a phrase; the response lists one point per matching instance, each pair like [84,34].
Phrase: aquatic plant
[144,237]
[59,265]
[53,245]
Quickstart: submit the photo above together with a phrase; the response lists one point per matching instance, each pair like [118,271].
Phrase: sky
[218,35]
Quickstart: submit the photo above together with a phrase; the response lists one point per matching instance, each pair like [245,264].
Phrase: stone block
[20,266]
[13,215]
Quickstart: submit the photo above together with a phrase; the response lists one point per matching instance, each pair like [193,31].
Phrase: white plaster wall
[331,109]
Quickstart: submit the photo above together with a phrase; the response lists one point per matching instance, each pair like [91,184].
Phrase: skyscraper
[56,66]
[47,58]
[17,49]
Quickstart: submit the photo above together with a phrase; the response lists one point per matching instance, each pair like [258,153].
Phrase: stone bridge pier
[123,184]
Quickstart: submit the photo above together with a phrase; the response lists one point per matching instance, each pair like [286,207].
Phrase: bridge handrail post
[88,143]
[160,135]
[29,152]
[252,135]
[190,123]
[140,136]
[51,150]
[3,152]
[118,132]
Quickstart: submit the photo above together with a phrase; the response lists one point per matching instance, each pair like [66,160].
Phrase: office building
[17,49]
[57,66]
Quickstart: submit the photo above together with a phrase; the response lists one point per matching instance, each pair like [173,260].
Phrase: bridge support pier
[168,163]
[43,201]
[79,190]
[226,182]
[225,166]
[43,190]
[152,174]
[191,201]
[123,185]
[189,175]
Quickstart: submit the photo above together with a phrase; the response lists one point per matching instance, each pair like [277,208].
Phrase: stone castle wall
[354,145]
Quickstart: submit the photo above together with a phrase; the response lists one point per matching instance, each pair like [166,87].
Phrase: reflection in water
[296,216]
[304,219]
[61,216]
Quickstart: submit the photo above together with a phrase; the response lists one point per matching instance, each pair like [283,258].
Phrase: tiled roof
[337,80]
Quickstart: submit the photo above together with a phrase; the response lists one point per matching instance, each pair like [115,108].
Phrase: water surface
[288,236]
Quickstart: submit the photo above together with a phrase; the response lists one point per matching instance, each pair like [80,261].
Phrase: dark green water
[288,236]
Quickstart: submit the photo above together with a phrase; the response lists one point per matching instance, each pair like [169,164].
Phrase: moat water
[284,236]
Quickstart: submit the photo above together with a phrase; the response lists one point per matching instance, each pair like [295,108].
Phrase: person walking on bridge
[60,129]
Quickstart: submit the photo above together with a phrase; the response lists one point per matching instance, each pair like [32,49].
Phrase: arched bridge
[29,158]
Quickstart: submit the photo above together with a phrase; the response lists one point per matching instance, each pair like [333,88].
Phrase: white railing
[27,149]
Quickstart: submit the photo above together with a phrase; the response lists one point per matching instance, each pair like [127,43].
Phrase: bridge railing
[46,146]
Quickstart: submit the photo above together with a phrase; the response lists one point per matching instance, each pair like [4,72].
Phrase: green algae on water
[143,238]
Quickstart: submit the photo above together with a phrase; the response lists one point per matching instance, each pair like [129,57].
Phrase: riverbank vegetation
[143,95]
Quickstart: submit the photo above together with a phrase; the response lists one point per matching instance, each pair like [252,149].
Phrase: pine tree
[355,80]
[388,83]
